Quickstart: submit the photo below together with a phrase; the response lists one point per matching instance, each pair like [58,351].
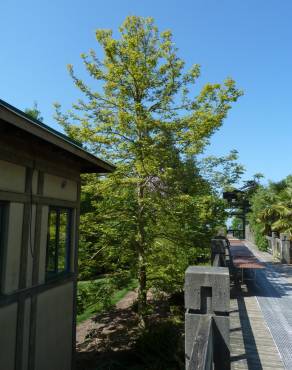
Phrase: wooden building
[39,209]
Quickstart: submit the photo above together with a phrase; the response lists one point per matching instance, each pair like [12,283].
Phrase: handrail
[202,352]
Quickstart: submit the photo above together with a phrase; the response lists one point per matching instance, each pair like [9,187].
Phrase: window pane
[58,247]
[2,214]
[1,222]
[63,240]
[52,242]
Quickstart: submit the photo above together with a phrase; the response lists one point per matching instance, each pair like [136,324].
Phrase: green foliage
[34,112]
[258,203]
[222,172]
[272,210]
[161,347]
[97,293]
[101,294]
[147,118]
[236,223]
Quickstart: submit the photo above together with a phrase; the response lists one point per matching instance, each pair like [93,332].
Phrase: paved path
[271,299]
[91,324]
[274,295]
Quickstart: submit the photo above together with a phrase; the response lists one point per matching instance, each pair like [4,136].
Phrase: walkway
[252,346]
[256,320]
[274,295]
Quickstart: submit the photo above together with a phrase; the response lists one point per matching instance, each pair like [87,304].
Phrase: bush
[99,294]
[160,347]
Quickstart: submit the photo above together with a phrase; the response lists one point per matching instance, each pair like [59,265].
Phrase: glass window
[3,213]
[58,246]
[1,220]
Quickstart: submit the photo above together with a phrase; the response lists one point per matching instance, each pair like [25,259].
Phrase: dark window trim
[4,207]
[68,270]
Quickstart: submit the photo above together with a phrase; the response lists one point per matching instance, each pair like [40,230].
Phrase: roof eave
[23,122]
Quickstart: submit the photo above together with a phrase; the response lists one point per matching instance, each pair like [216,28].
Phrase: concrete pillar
[207,293]
[274,246]
[218,246]
[285,249]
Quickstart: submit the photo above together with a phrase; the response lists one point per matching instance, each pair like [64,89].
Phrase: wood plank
[251,343]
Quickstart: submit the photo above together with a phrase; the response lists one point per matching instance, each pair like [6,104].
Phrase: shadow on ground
[250,355]
[117,342]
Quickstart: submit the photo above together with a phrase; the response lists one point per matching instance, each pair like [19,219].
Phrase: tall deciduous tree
[143,113]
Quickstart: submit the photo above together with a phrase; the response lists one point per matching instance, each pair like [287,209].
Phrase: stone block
[215,278]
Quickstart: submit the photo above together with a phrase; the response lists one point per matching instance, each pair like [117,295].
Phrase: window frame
[3,237]
[49,275]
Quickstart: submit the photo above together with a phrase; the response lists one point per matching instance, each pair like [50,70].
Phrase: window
[3,213]
[58,245]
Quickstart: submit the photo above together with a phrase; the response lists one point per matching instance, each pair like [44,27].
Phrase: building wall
[12,177]
[59,188]
[8,321]
[26,333]
[12,252]
[51,338]
[35,332]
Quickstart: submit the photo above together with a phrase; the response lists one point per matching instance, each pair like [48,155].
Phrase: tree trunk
[141,245]
[142,290]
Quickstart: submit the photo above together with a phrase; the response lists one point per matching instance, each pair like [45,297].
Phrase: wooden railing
[207,300]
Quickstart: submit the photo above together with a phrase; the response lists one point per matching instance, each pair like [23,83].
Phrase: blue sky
[248,40]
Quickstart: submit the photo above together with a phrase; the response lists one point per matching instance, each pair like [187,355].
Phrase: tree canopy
[142,110]
[272,210]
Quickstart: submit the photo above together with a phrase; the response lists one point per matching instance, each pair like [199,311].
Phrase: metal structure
[239,205]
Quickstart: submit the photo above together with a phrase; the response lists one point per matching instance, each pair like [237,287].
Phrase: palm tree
[277,216]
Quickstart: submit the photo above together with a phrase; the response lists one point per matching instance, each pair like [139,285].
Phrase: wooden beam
[7,299]
[75,251]
[22,284]
[10,196]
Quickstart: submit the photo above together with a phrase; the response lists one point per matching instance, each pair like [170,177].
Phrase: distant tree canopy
[34,112]
[272,210]
[236,223]
[156,213]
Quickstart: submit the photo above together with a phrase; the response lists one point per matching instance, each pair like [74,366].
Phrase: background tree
[236,223]
[146,117]
[272,210]
[222,172]
[34,112]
